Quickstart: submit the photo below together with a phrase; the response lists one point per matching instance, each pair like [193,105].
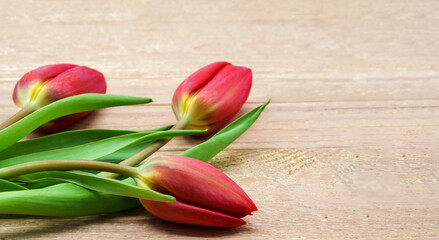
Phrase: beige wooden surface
[347,149]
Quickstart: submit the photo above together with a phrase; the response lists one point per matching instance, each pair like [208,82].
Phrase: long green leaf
[78,151]
[93,150]
[59,140]
[65,140]
[66,106]
[6,186]
[64,200]
[123,153]
[98,183]
[208,149]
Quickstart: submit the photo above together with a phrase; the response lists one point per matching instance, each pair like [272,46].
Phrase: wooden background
[347,149]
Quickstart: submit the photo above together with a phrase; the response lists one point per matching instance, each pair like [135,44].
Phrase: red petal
[198,79]
[43,73]
[192,84]
[183,213]
[227,91]
[198,183]
[76,81]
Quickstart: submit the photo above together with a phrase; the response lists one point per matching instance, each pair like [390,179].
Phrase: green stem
[65,165]
[146,152]
[15,118]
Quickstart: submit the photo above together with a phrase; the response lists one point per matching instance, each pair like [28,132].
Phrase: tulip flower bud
[50,83]
[205,196]
[211,96]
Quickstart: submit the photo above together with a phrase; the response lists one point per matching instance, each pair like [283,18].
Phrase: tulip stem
[15,118]
[65,165]
[146,152]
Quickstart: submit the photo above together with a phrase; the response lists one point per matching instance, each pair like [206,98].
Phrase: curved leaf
[66,106]
[123,153]
[98,183]
[6,186]
[65,140]
[93,150]
[64,200]
[59,140]
[208,149]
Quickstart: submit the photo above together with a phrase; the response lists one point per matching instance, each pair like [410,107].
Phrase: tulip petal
[76,81]
[44,73]
[183,213]
[186,91]
[198,79]
[40,74]
[227,91]
[197,182]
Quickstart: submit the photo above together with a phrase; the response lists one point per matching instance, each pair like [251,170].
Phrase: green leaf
[36,185]
[59,140]
[94,150]
[66,106]
[64,200]
[123,153]
[65,140]
[98,183]
[208,149]
[6,186]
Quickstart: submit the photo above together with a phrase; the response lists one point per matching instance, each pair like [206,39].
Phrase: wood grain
[347,149]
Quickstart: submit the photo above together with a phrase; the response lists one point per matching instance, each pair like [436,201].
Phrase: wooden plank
[301,53]
[315,125]
[379,124]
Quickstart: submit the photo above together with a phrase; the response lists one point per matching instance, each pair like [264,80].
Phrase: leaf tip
[267,102]
[147,100]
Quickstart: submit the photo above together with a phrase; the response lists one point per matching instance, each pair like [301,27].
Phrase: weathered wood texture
[347,149]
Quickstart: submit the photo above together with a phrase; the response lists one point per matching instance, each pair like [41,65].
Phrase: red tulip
[50,83]
[205,196]
[210,97]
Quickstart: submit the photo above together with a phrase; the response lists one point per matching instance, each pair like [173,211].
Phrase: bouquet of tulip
[95,171]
